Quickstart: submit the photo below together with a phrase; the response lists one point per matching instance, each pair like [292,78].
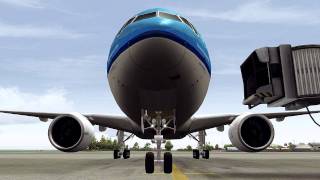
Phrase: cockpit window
[145,16]
[161,14]
[189,24]
[126,24]
[169,16]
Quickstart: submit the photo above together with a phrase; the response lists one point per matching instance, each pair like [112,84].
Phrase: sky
[53,57]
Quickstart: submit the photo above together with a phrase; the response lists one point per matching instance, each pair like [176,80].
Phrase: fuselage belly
[158,74]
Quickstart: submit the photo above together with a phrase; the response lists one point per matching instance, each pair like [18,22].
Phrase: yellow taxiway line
[177,174]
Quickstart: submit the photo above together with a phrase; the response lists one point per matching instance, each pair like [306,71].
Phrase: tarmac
[101,165]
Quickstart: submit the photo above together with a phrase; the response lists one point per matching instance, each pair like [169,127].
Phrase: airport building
[315,146]
[303,147]
[232,148]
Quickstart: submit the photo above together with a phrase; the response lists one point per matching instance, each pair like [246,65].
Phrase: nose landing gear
[149,162]
[167,162]
[158,124]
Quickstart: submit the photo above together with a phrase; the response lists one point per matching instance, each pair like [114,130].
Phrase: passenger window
[189,24]
[169,16]
[145,16]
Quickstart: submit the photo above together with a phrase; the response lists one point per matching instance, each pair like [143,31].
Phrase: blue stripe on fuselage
[159,27]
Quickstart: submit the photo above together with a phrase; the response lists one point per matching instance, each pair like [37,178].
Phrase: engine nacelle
[71,133]
[251,132]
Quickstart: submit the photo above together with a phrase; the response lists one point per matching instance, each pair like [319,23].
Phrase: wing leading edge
[202,123]
[124,123]
[110,121]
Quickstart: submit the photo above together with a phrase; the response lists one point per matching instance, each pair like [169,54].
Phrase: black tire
[116,153]
[167,162]
[149,162]
[196,154]
[205,154]
[126,154]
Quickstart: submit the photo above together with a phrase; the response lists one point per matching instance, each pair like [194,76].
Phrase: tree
[189,148]
[208,147]
[135,146]
[147,147]
[105,144]
[93,145]
[102,145]
[115,145]
[168,146]
[216,147]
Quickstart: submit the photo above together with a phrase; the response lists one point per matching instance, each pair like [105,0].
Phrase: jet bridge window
[169,16]
[189,24]
[146,16]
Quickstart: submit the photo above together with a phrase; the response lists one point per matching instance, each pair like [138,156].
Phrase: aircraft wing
[110,121]
[207,122]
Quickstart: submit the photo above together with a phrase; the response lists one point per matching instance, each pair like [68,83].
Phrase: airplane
[159,71]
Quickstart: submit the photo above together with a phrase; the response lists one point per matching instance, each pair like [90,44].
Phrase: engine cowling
[71,133]
[251,132]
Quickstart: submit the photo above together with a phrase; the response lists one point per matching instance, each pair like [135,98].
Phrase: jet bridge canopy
[282,76]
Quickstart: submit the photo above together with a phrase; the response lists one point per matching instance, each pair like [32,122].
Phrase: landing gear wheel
[126,154]
[149,162]
[196,154]
[205,154]
[167,162]
[116,154]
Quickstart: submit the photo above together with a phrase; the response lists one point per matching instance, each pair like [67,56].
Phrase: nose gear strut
[158,123]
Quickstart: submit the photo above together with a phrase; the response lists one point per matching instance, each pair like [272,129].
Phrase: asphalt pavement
[101,165]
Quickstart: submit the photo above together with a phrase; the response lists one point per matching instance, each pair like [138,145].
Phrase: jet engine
[251,132]
[71,133]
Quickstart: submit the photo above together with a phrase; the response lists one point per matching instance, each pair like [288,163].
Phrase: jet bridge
[282,76]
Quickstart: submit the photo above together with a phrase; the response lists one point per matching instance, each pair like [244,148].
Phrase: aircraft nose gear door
[123,150]
[158,123]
